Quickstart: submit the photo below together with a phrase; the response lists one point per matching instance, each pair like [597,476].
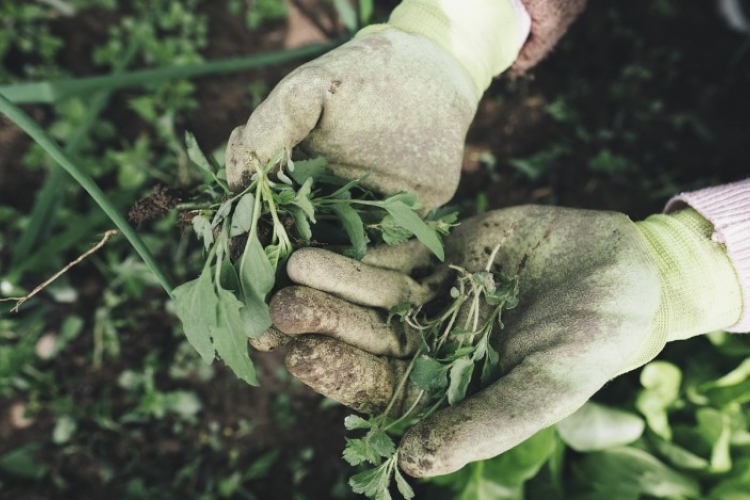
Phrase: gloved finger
[278,124]
[404,258]
[354,378]
[540,391]
[270,340]
[300,310]
[358,282]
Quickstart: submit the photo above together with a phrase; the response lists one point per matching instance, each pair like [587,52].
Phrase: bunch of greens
[286,205]
[455,351]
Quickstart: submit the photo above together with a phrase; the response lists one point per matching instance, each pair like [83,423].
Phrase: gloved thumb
[281,122]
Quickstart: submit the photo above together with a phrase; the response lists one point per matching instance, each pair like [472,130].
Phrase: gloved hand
[395,102]
[599,296]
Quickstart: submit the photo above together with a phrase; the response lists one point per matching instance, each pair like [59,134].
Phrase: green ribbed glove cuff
[701,289]
[484,36]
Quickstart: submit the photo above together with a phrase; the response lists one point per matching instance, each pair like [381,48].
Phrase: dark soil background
[640,100]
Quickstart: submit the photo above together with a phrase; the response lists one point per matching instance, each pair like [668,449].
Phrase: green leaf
[408,219]
[715,427]
[284,197]
[273,253]
[393,233]
[429,374]
[597,427]
[353,422]
[347,14]
[302,200]
[491,365]
[203,229]
[403,487]
[460,376]
[301,223]
[373,482]
[256,316]
[502,477]
[633,471]
[195,304]
[398,311]
[21,462]
[358,451]
[354,228]
[381,443]
[409,199]
[196,156]
[222,213]
[661,382]
[734,387]
[679,456]
[308,169]
[242,218]
[230,339]
[257,275]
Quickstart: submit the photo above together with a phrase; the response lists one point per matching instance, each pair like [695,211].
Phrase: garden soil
[584,99]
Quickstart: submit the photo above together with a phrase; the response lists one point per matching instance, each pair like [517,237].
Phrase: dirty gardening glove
[395,102]
[599,296]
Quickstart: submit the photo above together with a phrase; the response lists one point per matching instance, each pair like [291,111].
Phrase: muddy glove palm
[395,102]
[599,295]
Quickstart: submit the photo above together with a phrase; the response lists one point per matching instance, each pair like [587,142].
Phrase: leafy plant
[276,214]
[455,350]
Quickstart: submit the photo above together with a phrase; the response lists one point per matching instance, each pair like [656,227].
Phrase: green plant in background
[258,12]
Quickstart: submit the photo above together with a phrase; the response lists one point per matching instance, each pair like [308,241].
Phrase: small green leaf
[429,374]
[373,482]
[597,427]
[381,443]
[273,253]
[491,365]
[353,422]
[195,304]
[661,381]
[408,219]
[198,158]
[617,471]
[308,169]
[354,228]
[301,223]
[460,376]
[409,199]
[255,315]
[358,451]
[302,200]
[257,275]
[23,463]
[284,197]
[398,311]
[242,218]
[222,213]
[403,487]
[203,229]
[393,233]
[230,338]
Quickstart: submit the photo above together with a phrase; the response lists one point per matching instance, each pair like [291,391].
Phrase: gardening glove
[395,102]
[599,295]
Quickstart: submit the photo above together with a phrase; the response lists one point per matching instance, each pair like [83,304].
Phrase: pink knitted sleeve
[727,207]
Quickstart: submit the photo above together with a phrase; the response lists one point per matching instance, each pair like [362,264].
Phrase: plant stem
[47,92]
[24,121]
